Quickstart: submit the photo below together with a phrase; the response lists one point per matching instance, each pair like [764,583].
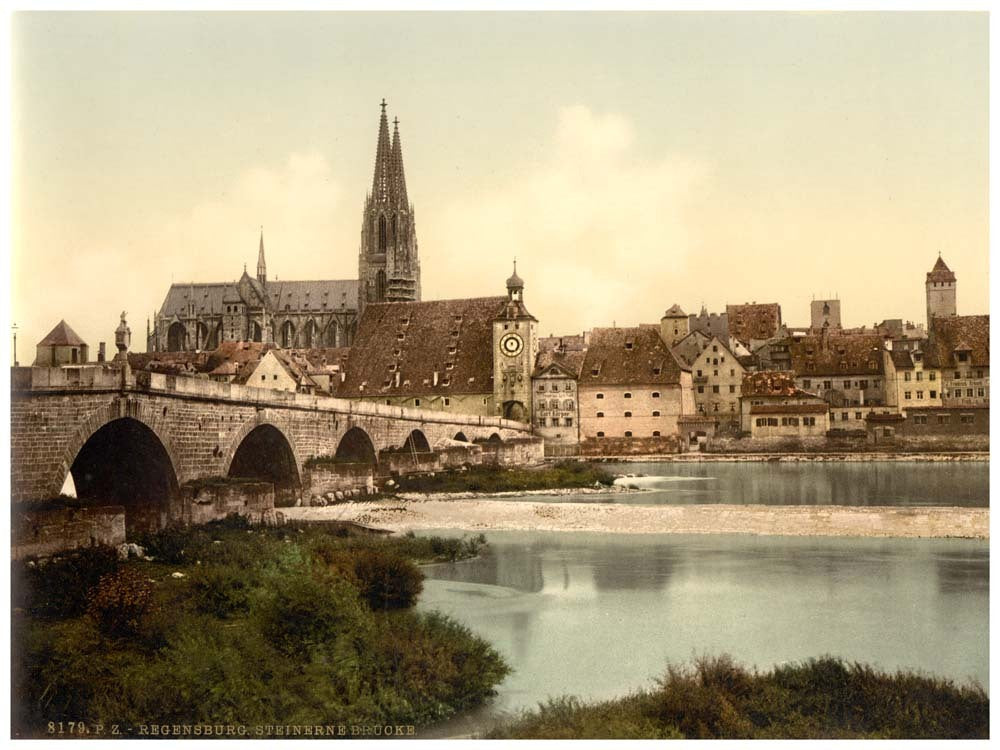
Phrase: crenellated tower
[388,265]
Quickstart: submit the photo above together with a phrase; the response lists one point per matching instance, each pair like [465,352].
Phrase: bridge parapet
[106,376]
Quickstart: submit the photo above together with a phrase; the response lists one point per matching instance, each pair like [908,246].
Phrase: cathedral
[305,314]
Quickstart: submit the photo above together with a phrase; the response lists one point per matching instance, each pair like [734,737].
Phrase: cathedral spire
[382,181]
[399,176]
[261,265]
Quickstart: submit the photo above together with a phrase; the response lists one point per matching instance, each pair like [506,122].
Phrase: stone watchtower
[674,325]
[941,292]
[388,266]
[515,345]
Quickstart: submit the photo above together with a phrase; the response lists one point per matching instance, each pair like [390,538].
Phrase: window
[656,413]
[628,433]
[541,387]
[920,419]
[932,376]
[656,394]
[906,377]
[863,384]
[933,394]
[920,375]
[701,389]
[906,394]
[275,376]
[963,357]
[761,421]
[569,387]
[844,417]
[807,384]
[416,402]
[979,373]
[847,384]
[447,402]
[944,418]
[967,419]
[732,389]
[263,377]
[957,374]
[698,374]
[600,414]
[715,389]
[982,392]
[715,407]
[554,387]
[772,421]
[656,433]
[968,392]
[628,414]
[715,347]
[715,373]
[600,434]
[809,421]
[827,385]
[627,395]
[857,415]
[568,422]
[599,395]
[920,394]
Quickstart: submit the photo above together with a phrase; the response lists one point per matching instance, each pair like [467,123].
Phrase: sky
[629,161]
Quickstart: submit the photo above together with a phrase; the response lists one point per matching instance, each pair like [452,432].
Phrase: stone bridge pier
[141,442]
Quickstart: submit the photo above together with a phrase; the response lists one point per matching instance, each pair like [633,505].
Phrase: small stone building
[554,395]
[62,346]
[632,386]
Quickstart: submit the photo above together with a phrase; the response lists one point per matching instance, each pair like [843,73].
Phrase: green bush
[120,601]
[170,545]
[222,590]
[305,609]
[59,587]
[820,698]
[387,580]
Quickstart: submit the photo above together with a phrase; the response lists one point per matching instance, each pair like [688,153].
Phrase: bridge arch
[263,449]
[122,455]
[357,447]
[416,442]
[460,436]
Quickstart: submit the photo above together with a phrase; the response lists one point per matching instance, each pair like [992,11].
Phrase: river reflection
[906,483]
[597,615]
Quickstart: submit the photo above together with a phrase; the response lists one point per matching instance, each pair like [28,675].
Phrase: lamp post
[13,329]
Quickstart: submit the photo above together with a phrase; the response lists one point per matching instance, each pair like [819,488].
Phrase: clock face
[511,344]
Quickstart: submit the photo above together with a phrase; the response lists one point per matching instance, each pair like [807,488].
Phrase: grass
[562,475]
[308,625]
[820,698]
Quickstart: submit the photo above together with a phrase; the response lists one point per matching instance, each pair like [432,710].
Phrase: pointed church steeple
[399,181]
[388,267]
[382,180]
[261,265]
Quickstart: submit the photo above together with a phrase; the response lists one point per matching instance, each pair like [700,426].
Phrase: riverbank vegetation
[491,479]
[822,698]
[293,625]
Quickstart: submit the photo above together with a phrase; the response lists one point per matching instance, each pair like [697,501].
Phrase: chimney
[343,375]
[100,352]
[435,377]
[397,379]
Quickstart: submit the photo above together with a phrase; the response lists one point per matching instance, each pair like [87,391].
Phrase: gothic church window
[381,234]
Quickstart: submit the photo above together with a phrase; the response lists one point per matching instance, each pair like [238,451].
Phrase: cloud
[600,229]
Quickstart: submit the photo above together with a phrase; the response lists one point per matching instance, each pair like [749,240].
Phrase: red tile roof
[970,333]
[754,321]
[940,272]
[770,383]
[832,354]
[626,356]
[62,335]
[410,341]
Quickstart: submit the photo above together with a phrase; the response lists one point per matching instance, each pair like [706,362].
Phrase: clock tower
[515,344]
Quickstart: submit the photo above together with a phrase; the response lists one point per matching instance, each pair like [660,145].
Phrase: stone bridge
[136,439]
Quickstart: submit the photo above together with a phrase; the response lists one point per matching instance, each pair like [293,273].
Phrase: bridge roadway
[128,437]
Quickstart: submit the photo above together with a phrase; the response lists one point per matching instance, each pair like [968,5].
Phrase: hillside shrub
[387,580]
[59,587]
[120,601]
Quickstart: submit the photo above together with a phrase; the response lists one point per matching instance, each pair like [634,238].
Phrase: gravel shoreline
[423,512]
[977,456]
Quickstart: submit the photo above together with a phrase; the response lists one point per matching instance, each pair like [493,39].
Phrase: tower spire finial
[261,264]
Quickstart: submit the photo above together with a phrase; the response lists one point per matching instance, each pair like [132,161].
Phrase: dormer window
[400,336]
[404,321]
[396,352]
[449,365]
[452,349]
[629,343]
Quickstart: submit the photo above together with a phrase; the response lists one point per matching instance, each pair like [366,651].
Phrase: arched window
[310,334]
[381,234]
[380,285]
[287,334]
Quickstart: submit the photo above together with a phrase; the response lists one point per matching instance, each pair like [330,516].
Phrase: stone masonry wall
[45,532]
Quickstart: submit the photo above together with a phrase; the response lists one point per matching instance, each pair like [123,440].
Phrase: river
[599,615]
